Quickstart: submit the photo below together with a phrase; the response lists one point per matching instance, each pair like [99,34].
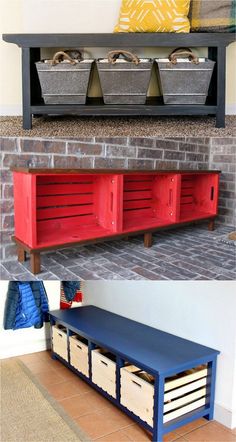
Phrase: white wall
[200,311]
[28,340]
[68,16]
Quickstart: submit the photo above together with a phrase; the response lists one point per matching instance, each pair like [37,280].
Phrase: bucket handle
[128,56]
[61,56]
[183,52]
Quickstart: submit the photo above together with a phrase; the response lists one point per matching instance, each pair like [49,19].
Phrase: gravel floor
[188,253]
[79,127]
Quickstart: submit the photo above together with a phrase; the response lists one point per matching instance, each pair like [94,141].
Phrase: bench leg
[148,239]
[21,253]
[220,119]
[221,84]
[159,387]
[35,262]
[126,238]
[211,225]
[211,388]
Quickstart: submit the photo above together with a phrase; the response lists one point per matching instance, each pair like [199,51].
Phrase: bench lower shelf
[95,107]
[101,235]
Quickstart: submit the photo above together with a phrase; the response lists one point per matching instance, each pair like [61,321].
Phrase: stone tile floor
[188,253]
[99,418]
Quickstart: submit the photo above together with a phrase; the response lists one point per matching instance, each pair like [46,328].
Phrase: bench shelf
[59,207]
[31,45]
[158,379]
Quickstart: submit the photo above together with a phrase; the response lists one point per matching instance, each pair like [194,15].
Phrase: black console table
[33,103]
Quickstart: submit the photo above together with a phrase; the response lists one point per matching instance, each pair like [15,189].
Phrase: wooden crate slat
[138,185]
[64,189]
[181,411]
[185,399]
[67,211]
[138,204]
[64,200]
[137,195]
[74,178]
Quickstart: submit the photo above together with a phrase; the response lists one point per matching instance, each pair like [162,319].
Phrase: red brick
[141,164]
[84,149]
[68,162]
[8,144]
[42,146]
[109,163]
[24,160]
[150,153]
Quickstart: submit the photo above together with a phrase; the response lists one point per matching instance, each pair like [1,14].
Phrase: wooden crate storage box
[199,195]
[184,393]
[136,394]
[104,371]
[59,341]
[59,207]
[150,199]
[79,354]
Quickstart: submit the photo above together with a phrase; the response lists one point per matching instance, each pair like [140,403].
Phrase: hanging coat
[26,305]
[70,288]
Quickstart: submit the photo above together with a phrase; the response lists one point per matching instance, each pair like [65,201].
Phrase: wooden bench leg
[211,225]
[21,253]
[148,239]
[35,262]
[126,238]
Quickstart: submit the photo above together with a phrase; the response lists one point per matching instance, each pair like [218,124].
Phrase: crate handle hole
[111,201]
[103,362]
[136,383]
[212,193]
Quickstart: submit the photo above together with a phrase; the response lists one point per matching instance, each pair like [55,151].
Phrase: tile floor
[188,253]
[100,419]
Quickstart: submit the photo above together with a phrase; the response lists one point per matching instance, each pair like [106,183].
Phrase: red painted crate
[56,208]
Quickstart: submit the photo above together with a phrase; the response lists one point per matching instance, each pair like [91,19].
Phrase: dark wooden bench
[32,99]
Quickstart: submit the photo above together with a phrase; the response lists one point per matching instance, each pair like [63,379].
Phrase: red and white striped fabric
[64,304]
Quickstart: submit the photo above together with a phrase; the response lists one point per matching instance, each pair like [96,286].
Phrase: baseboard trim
[225,416]
[26,348]
[231,109]
[11,111]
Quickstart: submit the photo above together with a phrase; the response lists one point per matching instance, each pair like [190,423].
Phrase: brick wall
[223,157]
[119,152]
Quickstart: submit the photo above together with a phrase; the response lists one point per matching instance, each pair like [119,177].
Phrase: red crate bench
[60,207]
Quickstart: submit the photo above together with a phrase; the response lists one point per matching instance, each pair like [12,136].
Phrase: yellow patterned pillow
[154,16]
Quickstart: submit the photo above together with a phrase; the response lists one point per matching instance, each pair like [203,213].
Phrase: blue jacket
[26,305]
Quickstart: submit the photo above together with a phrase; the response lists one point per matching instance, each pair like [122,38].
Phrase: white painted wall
[68,16]
[202,311]
[28,340]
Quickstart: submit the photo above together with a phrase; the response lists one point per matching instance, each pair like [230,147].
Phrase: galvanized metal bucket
[124,81]
[185,80]
[64,80]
